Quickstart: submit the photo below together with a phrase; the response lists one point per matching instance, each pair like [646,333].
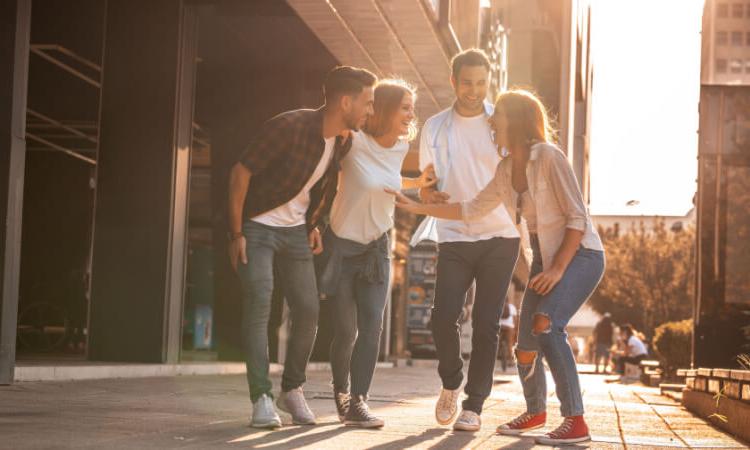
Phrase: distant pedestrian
[603,339]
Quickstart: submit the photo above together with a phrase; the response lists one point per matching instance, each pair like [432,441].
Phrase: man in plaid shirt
[279,190]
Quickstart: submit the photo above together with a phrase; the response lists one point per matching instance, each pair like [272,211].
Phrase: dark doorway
[62,134]
[256,59]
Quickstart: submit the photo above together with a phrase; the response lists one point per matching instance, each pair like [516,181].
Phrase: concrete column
[139,251]
[15,17]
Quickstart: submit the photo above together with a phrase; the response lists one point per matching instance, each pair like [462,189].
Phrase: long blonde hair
[527,118]
[388,96]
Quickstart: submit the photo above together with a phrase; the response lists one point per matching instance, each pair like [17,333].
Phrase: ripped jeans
[578,282]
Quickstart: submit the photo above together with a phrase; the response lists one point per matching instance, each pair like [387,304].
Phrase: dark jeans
[290,248]
[358,305]
[620,362]
[490,263]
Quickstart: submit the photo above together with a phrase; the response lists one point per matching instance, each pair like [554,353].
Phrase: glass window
[722,38]
[722,10]
[738,10]
[737,38]
[721,65]
[737,283]
[735,66]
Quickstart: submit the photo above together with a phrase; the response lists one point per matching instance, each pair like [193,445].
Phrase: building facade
[722,302]
[119,121]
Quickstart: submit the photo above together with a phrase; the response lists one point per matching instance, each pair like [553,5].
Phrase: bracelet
[234,236]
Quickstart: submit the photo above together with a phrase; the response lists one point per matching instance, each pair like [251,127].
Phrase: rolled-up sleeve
[426,153]
[486,200]
[565,188]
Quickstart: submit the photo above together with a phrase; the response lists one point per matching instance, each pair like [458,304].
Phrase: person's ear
[345,103]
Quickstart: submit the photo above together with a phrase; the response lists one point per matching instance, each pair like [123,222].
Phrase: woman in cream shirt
[536,183]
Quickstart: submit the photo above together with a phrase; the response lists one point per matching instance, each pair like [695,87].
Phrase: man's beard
[471,105]
[353,123]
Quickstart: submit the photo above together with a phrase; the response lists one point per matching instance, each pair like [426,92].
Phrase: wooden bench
[651,372]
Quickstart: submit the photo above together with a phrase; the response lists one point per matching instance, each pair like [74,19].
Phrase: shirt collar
[535,149]
[489,108]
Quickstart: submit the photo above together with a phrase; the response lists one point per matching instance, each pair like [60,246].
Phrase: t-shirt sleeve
[266,146]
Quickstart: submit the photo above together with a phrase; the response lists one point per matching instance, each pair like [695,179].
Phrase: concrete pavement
[212,412]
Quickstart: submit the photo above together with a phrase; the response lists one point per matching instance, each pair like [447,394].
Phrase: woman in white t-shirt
[355,266]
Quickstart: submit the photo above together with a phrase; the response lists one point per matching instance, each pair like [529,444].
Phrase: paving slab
[202,412]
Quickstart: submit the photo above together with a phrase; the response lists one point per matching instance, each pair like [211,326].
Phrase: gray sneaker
[264,415]
[294,404]
[359,414]
[468,421]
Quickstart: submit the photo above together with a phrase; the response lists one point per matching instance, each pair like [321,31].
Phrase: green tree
[649,278]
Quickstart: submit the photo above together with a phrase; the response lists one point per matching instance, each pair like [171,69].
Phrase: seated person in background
[635,349]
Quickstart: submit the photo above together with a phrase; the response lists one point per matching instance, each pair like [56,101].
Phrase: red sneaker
[572,430]
[524,422]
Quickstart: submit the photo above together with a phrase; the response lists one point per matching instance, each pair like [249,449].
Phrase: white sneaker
[294,404]
[264,415]
[468,421]
[447,406]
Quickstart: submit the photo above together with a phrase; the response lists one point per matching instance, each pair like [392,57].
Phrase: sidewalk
[212,412]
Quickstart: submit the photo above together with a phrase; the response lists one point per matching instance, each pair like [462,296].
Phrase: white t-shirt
[292,213]
[474,160]
[636,347]
[362,211]
[508,321]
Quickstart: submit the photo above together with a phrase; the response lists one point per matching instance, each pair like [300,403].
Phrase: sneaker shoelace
[520,420]
[363,410]
[465,417]
[563,429]
[343,400]
[447,401]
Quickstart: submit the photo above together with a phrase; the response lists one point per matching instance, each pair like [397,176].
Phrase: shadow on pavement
[290,437]
[411,441]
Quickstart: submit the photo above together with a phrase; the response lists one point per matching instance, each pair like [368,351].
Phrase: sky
[644,143]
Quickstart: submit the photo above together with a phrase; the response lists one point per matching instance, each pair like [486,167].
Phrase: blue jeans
[578,282]
[360,286]
[290,247]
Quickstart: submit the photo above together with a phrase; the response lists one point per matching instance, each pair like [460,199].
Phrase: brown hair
[388,97]
[469,57]
[346,80]
[527,118]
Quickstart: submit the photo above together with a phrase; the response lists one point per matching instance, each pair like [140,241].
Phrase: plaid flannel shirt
[283,156]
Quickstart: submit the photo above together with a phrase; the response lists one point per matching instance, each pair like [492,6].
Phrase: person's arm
[570,201]
[425,180]
[239,180]
[262,152]
[451,211]
[487,200]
